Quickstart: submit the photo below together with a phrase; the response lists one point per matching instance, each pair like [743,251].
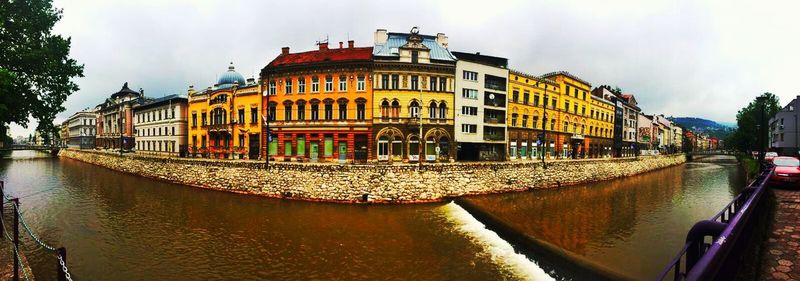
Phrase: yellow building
[413,84]
[531,113]
[225,120]
[585,123]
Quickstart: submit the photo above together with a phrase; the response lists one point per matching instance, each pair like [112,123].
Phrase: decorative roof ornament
[415,30]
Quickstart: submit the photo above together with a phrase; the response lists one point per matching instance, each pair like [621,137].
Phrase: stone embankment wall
[402,183]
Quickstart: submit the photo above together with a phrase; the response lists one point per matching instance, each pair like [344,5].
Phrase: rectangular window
[514,120]
[469,93]
[328,111]
[524,121]
[384,81]
[342,83]
[469,110]
[575,107]
[361,84]
[288,83]
[469,128]
[301,84]
[443,84]
[272,89]
[315,84]
[287,112]
[433,84]
[536,100]
[568,88]
[203,119]
[241,117]
[494,82]
[471,76]
[414,56]
[328,83]
[253,115]
[526,97]
[301,111]
[342,111]
[194,119]
[515,95]
[414,82]
[566,105]
[395,81]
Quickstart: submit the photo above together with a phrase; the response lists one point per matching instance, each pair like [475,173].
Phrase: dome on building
[230,77]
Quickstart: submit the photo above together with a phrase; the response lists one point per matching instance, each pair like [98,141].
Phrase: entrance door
[360,149]
[314,151]
[383,149]
[254,147]
[342,151]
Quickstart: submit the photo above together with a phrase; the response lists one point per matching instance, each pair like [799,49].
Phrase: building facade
[784,136]
[480,107]
[532,116]
[320,103]
[413,85]
[645,132]
[161,126]
[82,129]
[626,117]
[63,134]
[114,125]
[224,120]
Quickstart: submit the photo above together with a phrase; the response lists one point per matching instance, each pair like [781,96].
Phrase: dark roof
[163,100]
[125,91]
[320,56]
[482,59]
[555,73]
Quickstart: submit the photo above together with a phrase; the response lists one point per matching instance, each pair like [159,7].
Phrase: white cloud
[682,58]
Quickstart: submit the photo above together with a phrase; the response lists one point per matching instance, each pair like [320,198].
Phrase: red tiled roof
[329,55]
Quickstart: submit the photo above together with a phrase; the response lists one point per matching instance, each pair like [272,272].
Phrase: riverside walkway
[781,259]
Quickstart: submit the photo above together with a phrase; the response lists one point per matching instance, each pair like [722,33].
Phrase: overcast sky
[680,58]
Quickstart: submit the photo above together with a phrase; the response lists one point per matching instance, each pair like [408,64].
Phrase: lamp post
[265,93]
[544,125]
[419,140]
[761,100]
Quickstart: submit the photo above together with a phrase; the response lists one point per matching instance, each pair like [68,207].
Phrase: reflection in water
[122,227]
[632,225]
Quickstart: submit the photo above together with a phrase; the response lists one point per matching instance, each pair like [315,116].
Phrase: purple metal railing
[730,230]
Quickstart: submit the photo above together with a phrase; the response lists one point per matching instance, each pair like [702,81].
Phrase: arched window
[413,109]
[395,109]
[287,110]
[301,110]
[328,109]
[385,109]
[432,110]
[342,109]
[272,110]
[442,111]
[314,109]
[361,112]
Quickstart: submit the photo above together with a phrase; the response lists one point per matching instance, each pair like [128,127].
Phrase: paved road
[782,260]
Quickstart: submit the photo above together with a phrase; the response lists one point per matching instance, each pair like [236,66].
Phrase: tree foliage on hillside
[35,67]
[745,137]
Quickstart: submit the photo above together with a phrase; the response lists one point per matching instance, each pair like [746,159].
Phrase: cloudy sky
[680,58]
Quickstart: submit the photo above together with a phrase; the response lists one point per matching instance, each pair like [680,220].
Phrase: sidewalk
[782,258]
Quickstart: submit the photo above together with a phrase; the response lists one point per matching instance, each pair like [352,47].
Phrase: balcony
[494,137]
[494,120]
[219,128]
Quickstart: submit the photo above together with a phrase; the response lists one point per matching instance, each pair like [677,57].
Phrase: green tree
[745,137]
[35,68]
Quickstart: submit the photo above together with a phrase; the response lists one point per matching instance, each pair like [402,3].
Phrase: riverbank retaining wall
[399,183]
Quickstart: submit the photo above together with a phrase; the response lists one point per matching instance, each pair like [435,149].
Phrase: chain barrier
[35,238]
[16,250]
[64,268]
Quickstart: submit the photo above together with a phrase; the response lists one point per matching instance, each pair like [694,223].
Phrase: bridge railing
[730,231]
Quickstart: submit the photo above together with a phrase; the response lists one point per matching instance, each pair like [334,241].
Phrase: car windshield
[786,162]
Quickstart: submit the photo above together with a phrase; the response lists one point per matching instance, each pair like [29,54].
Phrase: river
[122,227]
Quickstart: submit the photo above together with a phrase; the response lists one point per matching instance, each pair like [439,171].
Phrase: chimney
[285,51]
[323,46]
[381,36]
[350,43]
[441,39]
[341,44]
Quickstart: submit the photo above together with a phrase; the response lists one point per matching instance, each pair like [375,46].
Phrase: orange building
[319,106]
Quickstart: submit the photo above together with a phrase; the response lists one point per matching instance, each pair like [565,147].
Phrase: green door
[342,150]
[314,150]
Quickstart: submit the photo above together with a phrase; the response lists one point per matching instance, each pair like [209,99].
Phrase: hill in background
[704,126]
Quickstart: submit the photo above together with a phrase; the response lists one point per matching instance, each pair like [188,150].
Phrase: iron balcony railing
[730,231]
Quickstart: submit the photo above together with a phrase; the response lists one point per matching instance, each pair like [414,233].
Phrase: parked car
[787,171]
[769,156]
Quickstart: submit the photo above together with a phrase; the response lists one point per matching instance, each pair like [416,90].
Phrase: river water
[122,227]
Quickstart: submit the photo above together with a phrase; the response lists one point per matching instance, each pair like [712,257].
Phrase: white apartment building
[161,126]
[82,130]
[481,105]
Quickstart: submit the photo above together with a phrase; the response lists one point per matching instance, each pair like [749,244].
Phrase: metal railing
[60,253]
[730,231]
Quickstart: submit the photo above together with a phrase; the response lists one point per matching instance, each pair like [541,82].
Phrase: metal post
[419,138]
[544,126]
[2,206]
[15,201]
[61,275]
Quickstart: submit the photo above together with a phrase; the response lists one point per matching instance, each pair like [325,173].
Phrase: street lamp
[544,125]
[265,93]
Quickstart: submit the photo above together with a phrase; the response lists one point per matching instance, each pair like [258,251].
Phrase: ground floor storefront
[466,151]
[401,143]
[114,142]
[82,142]
[344,145]
[223,145]
[534,144]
